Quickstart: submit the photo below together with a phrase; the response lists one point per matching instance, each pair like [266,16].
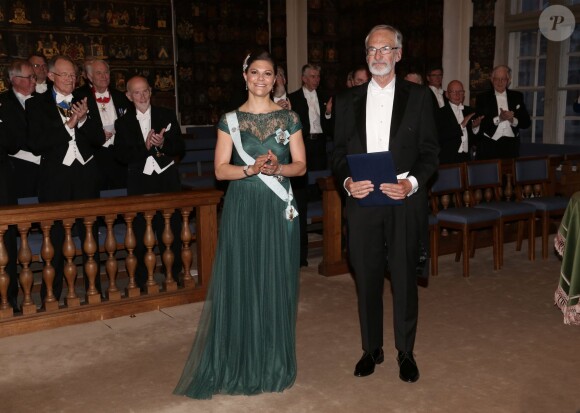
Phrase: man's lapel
[360,107]
[399,105]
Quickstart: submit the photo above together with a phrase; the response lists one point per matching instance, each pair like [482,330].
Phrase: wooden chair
[484,181]
[453,212]
[434,243]
[532,186]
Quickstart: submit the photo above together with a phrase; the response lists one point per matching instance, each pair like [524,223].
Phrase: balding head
[455,92]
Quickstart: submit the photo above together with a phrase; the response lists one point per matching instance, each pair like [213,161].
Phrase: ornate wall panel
[135,37]
[213,38]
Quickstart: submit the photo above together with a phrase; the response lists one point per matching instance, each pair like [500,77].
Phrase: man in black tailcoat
[387,114]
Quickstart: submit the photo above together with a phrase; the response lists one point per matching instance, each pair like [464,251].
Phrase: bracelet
[279,170]
[245,169]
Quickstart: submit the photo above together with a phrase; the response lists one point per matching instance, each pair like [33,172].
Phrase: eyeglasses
[372,51]
[29,77]
[37,65]
[456,92]
[67,75]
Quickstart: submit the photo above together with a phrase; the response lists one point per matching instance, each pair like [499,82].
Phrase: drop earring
[246,85]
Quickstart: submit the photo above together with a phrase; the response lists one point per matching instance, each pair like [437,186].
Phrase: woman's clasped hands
[267,163]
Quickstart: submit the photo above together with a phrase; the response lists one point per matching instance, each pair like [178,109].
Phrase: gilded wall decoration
[135,37]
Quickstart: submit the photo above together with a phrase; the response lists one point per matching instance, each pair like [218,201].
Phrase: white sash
[270,181]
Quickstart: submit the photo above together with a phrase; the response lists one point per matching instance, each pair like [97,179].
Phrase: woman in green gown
[245,341]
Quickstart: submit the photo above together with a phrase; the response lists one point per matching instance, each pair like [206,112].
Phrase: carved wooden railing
[133,300]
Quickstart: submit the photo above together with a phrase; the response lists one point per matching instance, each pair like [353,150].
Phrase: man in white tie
[26,165]
[435,81]
[457,126]
[38,62]
[147,140]
[110,104]
[505,114]
[315,112]
[388,114]
[63,133]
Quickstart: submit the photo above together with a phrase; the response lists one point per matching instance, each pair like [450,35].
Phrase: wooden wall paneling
[135,37]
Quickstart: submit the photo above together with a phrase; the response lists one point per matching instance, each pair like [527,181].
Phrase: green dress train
[245,341]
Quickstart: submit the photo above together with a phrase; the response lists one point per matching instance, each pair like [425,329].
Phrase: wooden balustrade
[88,212]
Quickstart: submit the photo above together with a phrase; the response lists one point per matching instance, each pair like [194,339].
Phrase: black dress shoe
[408,370]
[366,365]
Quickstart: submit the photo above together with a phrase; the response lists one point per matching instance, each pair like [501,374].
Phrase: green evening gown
[245,341]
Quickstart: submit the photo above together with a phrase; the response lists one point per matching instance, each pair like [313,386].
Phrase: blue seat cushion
[467,215]
[549,203]
[506,209]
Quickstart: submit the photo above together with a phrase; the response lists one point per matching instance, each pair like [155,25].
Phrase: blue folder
[377,167]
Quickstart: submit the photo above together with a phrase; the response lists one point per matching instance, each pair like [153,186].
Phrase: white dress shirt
[503,127]
[108,116]
[458,112]
[41,87]
[378,123]
[151,164]
[313,110]
[25,155]
[439,95]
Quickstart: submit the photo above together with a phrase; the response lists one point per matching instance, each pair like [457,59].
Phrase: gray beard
[381,72]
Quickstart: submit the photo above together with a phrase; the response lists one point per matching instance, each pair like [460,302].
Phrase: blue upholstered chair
[447,203]
[532,183]
[484,182]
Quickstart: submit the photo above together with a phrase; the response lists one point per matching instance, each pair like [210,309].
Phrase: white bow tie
[142,116]
[102,95]
[60,97]
[459,107]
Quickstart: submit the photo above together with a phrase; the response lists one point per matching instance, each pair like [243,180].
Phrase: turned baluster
[467,199]
[186,254]
[113,293]
[538,190]
[70,269]
[48,272]
[477,196]
[170,283]
[132,289]
[150,258]
[26,277]
[488,195]
[5,308]
[527,191]
[90,248]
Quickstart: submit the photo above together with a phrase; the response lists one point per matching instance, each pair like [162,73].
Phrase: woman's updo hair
[257,55]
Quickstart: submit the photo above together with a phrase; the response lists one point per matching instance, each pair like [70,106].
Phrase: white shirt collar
[460,106]
[105,94]
[144,116]
[60,97]
[375,89]
[309,93]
